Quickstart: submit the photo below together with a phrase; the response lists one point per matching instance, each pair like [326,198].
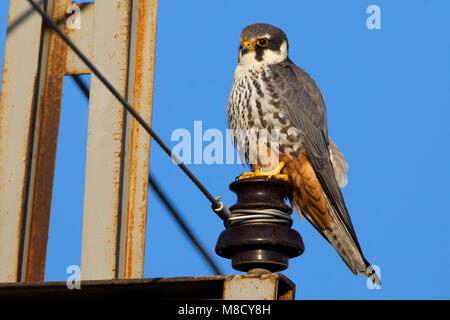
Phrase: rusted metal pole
[119,36]
[137,142]
[42,136]
[104,153]
[115,208]
[51,78]
[20,67]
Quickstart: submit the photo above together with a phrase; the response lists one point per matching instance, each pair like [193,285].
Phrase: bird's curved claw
[274,174]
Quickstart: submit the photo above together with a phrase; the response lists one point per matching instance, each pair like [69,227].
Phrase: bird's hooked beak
[247,46]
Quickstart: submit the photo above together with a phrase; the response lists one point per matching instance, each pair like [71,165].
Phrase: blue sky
[388,101]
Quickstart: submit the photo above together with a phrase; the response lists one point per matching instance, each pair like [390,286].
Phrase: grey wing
[312,90]
[311,121]
[310,87]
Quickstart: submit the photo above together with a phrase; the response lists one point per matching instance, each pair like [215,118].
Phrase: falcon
[278,118]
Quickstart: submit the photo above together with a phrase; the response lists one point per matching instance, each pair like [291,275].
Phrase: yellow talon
[269,174]
[247,175]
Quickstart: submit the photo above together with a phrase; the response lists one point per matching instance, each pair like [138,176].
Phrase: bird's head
[262,43]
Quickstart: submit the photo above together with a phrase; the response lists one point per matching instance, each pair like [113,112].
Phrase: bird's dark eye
[262,42]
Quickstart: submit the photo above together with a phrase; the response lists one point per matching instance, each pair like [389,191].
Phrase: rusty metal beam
[137,141]
[118,148]
[120,40]
[209,287]
[258,286]
[53,54]
[104,155]
[40,110]
[20,66]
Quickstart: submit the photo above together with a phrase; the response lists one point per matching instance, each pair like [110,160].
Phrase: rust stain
[3,108]
[137,212]
[45,153]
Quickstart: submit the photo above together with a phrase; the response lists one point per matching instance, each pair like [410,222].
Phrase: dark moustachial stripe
[259,51]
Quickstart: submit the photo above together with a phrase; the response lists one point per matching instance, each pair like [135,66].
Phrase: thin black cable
[80,83]
[165,199]
[152,183]
[183,225]
[24,16]
[19,20]
[219,207]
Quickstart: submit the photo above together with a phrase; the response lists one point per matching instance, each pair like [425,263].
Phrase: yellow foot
[274,174]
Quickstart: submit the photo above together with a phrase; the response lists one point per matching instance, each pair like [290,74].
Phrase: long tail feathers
[338,236]
[309,199]
[350,252]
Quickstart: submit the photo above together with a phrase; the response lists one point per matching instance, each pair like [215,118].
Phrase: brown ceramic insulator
[260,245]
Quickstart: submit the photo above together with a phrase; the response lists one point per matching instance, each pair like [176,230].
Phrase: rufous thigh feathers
[308,193]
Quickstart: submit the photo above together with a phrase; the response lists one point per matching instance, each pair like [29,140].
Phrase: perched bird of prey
[271,94]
